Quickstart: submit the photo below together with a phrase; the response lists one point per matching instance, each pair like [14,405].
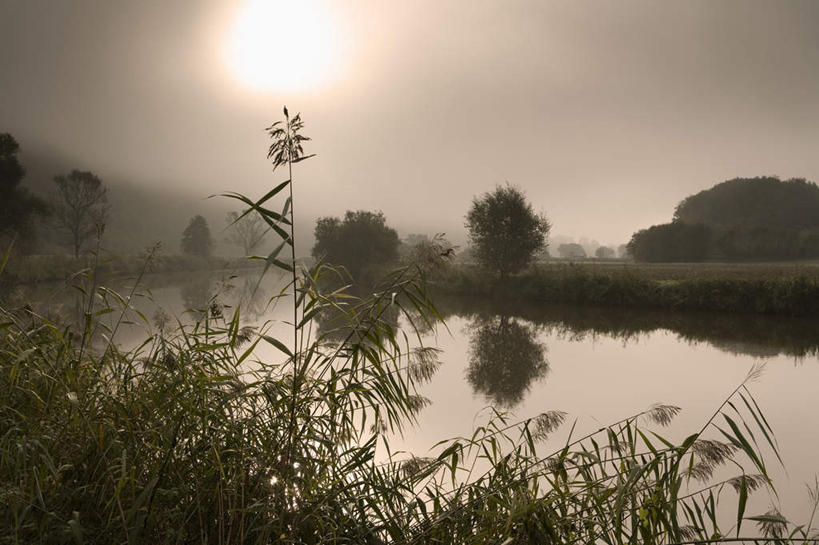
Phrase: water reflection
[505,358]
[196,294]
[753,335]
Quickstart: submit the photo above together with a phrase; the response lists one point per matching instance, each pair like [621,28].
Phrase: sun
[279,45]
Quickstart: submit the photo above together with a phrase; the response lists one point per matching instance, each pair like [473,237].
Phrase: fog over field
[606,114]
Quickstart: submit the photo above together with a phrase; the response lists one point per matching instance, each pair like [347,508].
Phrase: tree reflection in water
[504,359]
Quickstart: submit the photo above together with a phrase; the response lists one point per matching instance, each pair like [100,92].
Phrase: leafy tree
[504,230]
[248,231]
[196,239]
[361,242]
[604,252]
[17,205]
[670,242]
[747,203]
[80,206]
[571,250]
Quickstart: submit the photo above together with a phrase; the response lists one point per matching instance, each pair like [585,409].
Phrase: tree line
[762,218]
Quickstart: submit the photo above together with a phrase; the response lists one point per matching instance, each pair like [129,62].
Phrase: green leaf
[278,344]
[743,499]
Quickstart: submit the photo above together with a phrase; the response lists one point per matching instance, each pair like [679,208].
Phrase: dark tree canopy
[196,239]
[362,242]
[748,203]
[740,219]
[80,206]
[504,359]
[675,241]
[504,230]
[17,205]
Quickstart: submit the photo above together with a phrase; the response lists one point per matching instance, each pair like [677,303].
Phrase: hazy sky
[605,113]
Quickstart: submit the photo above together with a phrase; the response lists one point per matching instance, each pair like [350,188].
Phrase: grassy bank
[781,289]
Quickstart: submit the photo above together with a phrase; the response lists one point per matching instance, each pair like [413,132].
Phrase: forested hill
[748,203]
[760,218]
[141,213]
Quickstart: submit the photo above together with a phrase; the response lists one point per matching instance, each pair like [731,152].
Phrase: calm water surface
[598,365]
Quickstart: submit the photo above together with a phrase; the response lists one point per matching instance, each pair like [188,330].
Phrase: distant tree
[671,242]
[18,206]
[504,230]
[361,242]
[571,250]
[196,239]
[622,251]
[604,252]
[80,206]
[755,218]
[431,254]
[247,232]
[746,203]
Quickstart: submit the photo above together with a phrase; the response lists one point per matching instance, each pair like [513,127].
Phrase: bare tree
[247,232]
[81,206]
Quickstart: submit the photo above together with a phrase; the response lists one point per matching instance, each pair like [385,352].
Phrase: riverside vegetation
[190,438]
[782,289]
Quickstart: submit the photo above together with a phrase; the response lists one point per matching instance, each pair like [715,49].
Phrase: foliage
[604,252]
[740,219]
[247,232]
[504,230]
[571,250]
[196,239]
[671,242]
[747,203]
[18,207]
[80,207]
[361,242]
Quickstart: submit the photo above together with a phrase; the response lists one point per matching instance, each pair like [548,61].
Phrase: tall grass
[190,438]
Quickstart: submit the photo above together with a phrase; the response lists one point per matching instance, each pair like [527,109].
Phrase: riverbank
[790,289]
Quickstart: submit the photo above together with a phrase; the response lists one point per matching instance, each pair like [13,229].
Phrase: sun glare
[279,45]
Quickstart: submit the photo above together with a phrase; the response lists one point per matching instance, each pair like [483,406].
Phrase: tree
[504,230]
[196,239]
[18,206]
[361,242]
[604,252]
[81,206]
[676,241]
[571,250]
[248,231]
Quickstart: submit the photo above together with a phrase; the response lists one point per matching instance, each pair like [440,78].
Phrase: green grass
[785,289]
